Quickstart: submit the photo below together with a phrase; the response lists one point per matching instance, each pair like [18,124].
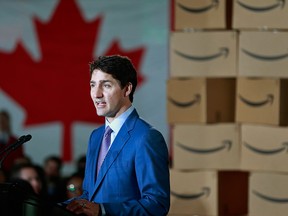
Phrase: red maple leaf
[56,88]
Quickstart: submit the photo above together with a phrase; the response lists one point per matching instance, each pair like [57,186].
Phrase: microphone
[20,141]
[12,147]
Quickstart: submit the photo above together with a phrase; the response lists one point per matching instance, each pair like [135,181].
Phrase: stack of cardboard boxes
[262,102]
[227,105]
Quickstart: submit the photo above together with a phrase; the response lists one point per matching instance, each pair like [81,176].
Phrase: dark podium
[16,200]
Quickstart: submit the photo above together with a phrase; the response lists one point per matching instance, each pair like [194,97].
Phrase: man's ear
[128,89]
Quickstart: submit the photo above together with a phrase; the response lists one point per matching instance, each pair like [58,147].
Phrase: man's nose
[98,93]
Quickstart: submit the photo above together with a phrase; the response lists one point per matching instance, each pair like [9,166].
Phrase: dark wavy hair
[120,67]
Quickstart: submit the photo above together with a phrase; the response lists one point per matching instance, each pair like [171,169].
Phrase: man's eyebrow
[101,81]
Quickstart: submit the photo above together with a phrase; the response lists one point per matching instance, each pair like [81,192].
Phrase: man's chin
[100,113]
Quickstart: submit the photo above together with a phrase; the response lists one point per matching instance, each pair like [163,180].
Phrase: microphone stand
[13,146]
[4,156]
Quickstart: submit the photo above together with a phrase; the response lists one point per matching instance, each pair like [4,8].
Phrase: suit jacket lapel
[117,146]
[98,139]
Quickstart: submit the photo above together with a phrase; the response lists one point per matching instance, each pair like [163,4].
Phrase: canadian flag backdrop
[45,48]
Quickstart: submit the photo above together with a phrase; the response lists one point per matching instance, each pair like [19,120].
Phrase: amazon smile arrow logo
[197,98]
[214,4]
[269,198]
[222,52]
[267,152]
[265,58]
[269,99]
[205,192]
[278,3]
[226,144]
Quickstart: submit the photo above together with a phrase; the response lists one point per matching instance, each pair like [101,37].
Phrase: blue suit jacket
[134,177]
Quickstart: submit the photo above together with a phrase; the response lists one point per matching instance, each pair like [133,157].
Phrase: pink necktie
[104,147]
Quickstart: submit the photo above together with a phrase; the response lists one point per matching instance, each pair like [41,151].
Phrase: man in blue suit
[134,176]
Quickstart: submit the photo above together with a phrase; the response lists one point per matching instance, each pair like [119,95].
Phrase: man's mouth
[100,103]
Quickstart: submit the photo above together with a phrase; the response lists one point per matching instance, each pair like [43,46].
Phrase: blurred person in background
[80,165]
[7,138]
[74,185]
[31,174]
[23,160]
[28,182]
[52,170]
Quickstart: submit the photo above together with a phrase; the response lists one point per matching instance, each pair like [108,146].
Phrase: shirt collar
[117,123]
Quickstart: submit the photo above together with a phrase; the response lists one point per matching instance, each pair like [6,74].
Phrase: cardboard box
[260,14]
[263,54]
[262,101]
[203,54]
[268,194]
[264,148]
[202,146]
[200,100]
[208,193]
[194,192]
[199,14]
